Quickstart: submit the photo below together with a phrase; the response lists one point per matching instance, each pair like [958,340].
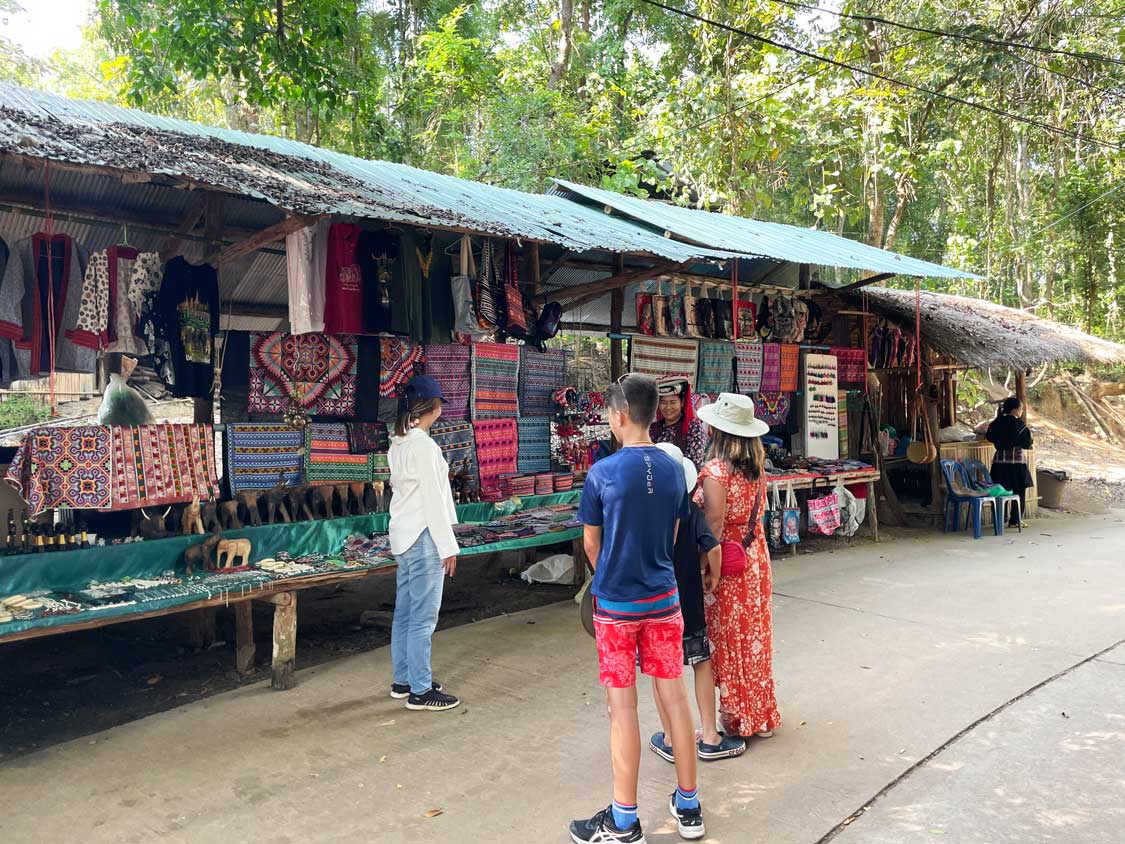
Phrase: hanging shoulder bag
[791,518]
[775,521]
[466,324]
[515,323]
[488,316]
[824,514]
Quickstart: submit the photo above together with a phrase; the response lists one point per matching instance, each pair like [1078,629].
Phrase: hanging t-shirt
[343,282]
[187,319]
[306,256]
[635,496]
[377,254]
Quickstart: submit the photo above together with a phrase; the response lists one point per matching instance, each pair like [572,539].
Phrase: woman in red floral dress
[739,619]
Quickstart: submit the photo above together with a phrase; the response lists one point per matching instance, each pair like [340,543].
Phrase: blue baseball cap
[422,387]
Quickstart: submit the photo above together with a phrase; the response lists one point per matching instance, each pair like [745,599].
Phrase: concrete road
[932,689]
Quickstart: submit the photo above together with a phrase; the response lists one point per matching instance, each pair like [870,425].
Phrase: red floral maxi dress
[739,617]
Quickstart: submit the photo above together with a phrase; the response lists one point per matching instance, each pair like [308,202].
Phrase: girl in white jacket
[421,532]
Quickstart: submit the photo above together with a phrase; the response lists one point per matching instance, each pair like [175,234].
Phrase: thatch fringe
[983,334]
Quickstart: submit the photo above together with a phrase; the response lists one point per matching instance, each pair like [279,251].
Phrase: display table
[828,481]
[73,570]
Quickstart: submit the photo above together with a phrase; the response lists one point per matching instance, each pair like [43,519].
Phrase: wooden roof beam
[265,237]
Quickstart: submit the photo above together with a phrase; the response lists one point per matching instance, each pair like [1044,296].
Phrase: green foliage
[17,411]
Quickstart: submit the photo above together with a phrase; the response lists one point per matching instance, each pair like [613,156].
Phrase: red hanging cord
[50,282]
[734,293]
[865,342]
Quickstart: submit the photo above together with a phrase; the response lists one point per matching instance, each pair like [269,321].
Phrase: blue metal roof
[774,240]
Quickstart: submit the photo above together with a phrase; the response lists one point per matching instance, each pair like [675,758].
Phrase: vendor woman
[676,421]
[1012,438]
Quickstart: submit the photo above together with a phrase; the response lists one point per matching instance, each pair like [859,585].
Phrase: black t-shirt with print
[187,310]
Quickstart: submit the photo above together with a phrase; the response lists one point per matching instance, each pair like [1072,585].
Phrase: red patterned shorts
[659,645]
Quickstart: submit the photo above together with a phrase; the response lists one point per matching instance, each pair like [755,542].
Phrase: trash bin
[1052,485]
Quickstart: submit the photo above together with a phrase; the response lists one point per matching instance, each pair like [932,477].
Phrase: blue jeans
[417,601]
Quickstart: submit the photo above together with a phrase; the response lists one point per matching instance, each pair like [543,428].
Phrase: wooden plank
[175,242]
[284,643]
[265,237]
[201,628]
[244,637]
[214,223]
[873,510]
[536,271]
[616,316]
[604,285]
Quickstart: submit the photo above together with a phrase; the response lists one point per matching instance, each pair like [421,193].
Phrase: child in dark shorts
[698,558]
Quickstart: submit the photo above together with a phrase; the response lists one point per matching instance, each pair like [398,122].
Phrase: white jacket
[420,494]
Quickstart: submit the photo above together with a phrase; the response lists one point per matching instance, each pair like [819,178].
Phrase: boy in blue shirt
[631,504]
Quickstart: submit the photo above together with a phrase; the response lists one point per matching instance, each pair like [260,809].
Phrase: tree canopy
[988,136]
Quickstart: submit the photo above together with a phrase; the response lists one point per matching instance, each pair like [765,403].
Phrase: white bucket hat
[733,414]
[691,474]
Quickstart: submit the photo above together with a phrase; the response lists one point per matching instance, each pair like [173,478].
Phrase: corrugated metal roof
[311,180]
[774,240]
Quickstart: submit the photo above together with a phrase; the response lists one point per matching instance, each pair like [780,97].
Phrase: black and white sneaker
[432,701]
[600,829]
[689,821]
[401,690]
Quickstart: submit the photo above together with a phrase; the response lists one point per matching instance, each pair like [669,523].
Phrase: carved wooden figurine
[370,500]
[323,500]
[202,554]
[228,515]
[209,512]
[248,498]
[191,522]
[342,499]
[298,498]
[356,502]
[230,550]
[276,511]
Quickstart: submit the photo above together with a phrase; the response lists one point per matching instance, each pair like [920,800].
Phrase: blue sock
[624,816]
[686,799]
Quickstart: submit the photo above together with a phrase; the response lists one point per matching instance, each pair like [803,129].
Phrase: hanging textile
[496,454]
[458,446]
[646,316]
[343,281]
[436,296]
[314,372]
[748,367]
[533,452]
[716,367]
[450,366]
[63,467]
[306,256]
[165,463]
[771,367]
[25,347]
[328,459]
[495,381]
[400,360]
[263,455]
[790,367]
[849,365]
[541,373]
[409,290]
[842,430]
[747,319]
[377,256]
[664,356]
[364,437]
[182,326]
[772,408]
[113,291]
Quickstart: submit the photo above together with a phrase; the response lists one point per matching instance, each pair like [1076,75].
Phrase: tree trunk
[565,45]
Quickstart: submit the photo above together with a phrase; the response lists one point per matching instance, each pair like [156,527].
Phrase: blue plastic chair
[981,478]
[956,475]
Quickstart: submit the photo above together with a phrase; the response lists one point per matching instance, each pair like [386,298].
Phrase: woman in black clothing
[1012,438]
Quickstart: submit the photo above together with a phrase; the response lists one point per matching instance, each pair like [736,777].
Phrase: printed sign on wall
[822,412]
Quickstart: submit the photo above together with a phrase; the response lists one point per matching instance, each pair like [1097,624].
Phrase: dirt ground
[64,687]
[1097,468]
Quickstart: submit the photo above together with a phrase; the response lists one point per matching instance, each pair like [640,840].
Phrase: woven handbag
[487,314]
[515,322]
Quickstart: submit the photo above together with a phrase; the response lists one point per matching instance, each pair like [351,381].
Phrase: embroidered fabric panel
[64,467]
[315,372]
[495,380]
[368,436]
[772,408]
[533,452]
[850,365]
[771,368]
[790,367]
[496,454]
[659,357]
[399,361]
[450,365]
[328,458]
[541,373]
[262,455]
[748,367]
[716,367]
[458,445]
[165,463]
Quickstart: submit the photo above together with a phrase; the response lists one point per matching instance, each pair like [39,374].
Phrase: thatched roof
[982,334]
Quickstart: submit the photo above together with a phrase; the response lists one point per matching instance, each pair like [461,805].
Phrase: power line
[1059,130]
[980,39]
[1096,199]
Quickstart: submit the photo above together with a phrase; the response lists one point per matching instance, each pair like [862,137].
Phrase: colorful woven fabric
[533,452]
[660,356]
[496,454]
[458,446]
[315,372]
[380,467]
[771,368]
[790,367]
[496,369]
[450,366]
[165,463]
[541,373]
[260,456]
[842,410]
[716,367]
[850,365]
[328,458]
[63,467]
[399,361]
[364,437]
[748,367]
[772,408]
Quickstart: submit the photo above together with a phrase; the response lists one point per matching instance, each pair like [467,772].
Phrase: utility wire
[1059,130]
[1093,201]
[981,39]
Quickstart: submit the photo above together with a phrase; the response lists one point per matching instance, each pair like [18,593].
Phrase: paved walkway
[886,655]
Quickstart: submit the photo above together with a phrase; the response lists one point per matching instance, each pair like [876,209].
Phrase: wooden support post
[804,277]
[873,510]
[284,640]
[201,628]
[1021,392]
[536,271]
[244,637]
[213,225]
[930,408]
[616,314]
[175,242]
[578,549]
